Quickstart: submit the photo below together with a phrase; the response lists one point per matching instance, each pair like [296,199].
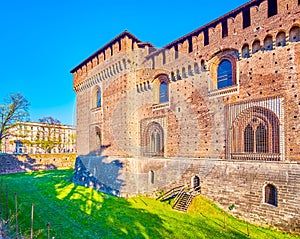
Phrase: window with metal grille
[271,195]
[163,92]
[261,139]
[224,74]
[249,139]
[255,131]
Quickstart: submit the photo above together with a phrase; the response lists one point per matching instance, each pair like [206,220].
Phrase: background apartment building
[36,137]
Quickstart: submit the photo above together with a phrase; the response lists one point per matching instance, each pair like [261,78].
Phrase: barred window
[261,139]
[249,139]
[224,74]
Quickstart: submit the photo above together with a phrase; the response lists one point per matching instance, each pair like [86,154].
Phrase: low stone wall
[225,182]
[12,163]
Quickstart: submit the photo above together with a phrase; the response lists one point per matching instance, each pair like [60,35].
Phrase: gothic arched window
[255,135]
[153,140]
[261,136]
[249,139]
[224,74]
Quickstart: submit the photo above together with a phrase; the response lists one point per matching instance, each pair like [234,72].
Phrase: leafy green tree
[13,110]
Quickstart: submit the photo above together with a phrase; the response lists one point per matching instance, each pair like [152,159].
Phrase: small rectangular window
[246,18]
[206,37]
[272,8]
[190,41]
[224,28]
[176,51]
[164,57]
[153,62]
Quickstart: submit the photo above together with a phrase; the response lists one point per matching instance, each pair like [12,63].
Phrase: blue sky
[42,40]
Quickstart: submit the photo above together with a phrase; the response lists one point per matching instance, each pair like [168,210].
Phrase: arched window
[249,139]
[195,182]
[255,46]
[280,39]
[270,194]
[255,135]
[245,51]
[261,136]
[153,140]
[98,98]
[295,34]
[268,43]
[163,92]
[224,74]
[151,176]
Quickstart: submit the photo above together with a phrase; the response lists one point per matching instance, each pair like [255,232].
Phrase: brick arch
[294,33]
[280,38]
[231,56]
[261,121]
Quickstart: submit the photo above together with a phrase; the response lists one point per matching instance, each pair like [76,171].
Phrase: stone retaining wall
[12,163]
[225,182]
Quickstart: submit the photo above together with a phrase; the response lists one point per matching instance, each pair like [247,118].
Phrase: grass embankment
[77,212]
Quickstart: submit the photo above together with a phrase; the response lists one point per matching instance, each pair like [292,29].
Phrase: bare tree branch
[14,109]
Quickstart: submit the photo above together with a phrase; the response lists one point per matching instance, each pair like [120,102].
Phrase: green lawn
[77,212]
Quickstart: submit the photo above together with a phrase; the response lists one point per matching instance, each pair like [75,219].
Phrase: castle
[217,108]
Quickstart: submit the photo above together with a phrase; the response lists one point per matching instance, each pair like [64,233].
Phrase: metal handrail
[176,200]
[170,193]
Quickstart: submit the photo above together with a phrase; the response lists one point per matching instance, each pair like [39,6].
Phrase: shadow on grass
[90,214]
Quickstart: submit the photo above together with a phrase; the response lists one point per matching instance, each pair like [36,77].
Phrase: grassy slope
[77,212]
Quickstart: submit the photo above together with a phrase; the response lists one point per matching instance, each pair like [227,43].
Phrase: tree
[49,120]
[14,109]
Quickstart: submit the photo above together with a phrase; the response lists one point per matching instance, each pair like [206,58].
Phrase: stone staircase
[182,195]
[183,202]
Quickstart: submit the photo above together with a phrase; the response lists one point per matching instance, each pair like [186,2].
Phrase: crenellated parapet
[119,46]
[260,25]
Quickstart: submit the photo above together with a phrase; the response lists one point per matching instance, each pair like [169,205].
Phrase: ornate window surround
[214,63]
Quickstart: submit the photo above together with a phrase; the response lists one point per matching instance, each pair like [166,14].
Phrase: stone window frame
[96,100]
[157,82]
[150,143]
[271,124]
[273,201]
[232,57]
